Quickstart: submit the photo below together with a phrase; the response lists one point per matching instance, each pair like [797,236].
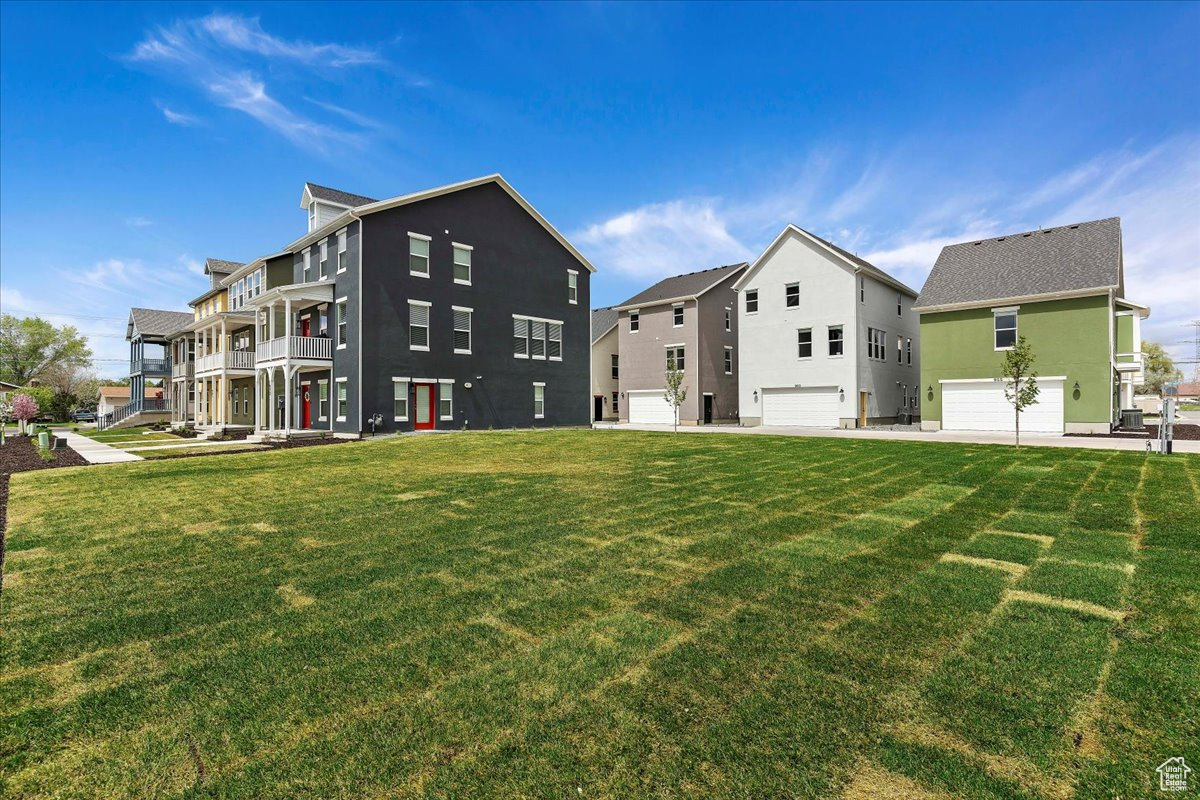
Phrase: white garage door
[650,407]
[980,406]
[812,408]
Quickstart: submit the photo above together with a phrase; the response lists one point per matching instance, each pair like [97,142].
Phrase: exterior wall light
[756,396]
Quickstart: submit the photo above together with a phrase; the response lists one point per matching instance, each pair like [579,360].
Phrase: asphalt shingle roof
[1062,259]
[603,320]
[220,265]
[153,322]
[338,196]
[693,283]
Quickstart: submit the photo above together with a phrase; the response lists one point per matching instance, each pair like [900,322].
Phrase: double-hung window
[323,263]
[635,322]
[791,295]
[418,254]
[520,337]
[462,329]
[677,315]
[343,257]
[835,340]
[342,403]
[445,401]
[908,351]
[462,263]
[539,400]
[418,325]
[323,399]
[616,399]
[899,349]
[537,343]
[728,360]
[1005,327]
[400,399]
[804,343]
[899,305]
[876,344]
[752,301]
[323,320]
[307,271]
[554,340]
[573,287]
[728,319]
[341,323]
[675,360]
[615,366]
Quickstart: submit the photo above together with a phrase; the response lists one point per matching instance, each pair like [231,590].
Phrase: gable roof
[416,197]
[854,262]
[219,266]
[1072,259]
[336,196]
[681,287]
[603,321]
[153,322]
[112,392]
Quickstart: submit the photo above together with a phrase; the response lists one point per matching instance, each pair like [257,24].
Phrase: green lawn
[603,614]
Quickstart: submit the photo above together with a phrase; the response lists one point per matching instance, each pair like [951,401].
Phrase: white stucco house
[827,339]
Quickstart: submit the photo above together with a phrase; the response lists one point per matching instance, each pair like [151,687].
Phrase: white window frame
[787,289]
[616,366]
[752,296]
[876,344]
[533,337]
[343,259]
[312,215]
[573,286]
[428,253]
[677,313]
[728,319]
[407,399]
[635,320]
[550,327]
[470,312]
[908,351]
[1003,312]
[306,273]
[455,247]
[668,349]
[323,386]
[525,321]
[841,329]
[323,261]
[899,305]
[899,349]
[339,385]
[728,359]
[424,348]
[341,322]
[539,388]
[445,392]
[810,344]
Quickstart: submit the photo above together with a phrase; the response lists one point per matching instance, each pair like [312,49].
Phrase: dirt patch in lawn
[1183,432]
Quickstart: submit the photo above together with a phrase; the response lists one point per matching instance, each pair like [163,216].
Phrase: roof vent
[1026,235]
[977,243]
[1048,230]
[1001,239]
[1074,227]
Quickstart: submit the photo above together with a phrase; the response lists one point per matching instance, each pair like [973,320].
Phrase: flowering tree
[25,408]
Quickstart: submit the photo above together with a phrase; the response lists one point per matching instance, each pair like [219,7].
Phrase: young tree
[29,346]
[676,393]
[6,412]
[1020,386]
[25,408]
[1157,367]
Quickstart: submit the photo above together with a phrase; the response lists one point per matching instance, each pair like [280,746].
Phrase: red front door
[423,401]
[306,405]
[304,323]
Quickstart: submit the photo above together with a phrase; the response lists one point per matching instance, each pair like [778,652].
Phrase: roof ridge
[1023,234]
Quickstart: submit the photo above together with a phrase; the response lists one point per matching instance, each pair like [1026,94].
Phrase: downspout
[362,238]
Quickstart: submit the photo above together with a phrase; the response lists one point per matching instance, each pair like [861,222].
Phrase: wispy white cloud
[220,54]
[138,222]
[177,117]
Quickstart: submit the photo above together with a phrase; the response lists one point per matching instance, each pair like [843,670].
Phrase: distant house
[113,397]
[7,390]
[828,339]
[1184,391]
[605,364]
[1063,290]
[689,322]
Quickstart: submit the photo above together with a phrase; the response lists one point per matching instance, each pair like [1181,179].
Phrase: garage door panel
[981,406]
[811,408]
[650,408]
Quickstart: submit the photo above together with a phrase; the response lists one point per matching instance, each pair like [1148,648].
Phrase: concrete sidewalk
[92,451]
[1030,440]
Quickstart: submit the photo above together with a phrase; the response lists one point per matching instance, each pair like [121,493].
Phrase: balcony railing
[306,347]
[185,370]
[150,366]
[1129,362]
[230,359]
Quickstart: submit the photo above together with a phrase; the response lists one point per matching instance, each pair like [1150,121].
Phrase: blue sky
[135,140]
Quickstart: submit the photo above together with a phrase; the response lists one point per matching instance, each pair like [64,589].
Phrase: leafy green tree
[1157,367]
[29,346]
[676,393]
[1020,387]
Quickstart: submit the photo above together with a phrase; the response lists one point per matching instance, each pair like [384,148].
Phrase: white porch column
[271,399]
[257,399]
[271,322]
[287,400]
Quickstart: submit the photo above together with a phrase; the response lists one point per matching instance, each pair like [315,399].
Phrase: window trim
[449,397]
[306,267]
[470,312]
[428,325]
[787,288]
[908,351]
[524,354]
[338,384]
[322,383]
[573,287]
[342,249]
[728,359]
[829,329]
[407,400]
[728,319]
[428,254]
[810,344]
[323,260]
[899,304]
[341,301]
[454,247]
[677,311]
[1016,328]
[616,366]
[667,355]
[747,303]
[635,320]
[873,344]
[539,385]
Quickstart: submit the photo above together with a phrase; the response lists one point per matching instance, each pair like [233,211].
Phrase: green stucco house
[1063,289]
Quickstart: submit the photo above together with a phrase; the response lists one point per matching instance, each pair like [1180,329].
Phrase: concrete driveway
[1031,440]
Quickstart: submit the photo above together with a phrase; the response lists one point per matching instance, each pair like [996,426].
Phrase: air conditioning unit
[1131,419]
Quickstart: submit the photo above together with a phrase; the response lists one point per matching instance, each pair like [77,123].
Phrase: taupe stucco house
[606,388]
[691,321]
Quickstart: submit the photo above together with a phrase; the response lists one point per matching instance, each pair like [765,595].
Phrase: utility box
[1131,418]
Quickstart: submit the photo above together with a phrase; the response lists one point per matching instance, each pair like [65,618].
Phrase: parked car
[83,416]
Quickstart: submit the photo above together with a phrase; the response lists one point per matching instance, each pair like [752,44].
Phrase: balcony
[227,360]
[185,370]
[295,348]
[150,366]
[1129,362]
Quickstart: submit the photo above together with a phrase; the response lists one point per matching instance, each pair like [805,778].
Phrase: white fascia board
[1030,298]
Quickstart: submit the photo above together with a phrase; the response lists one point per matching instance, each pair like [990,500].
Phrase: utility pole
[1196,355]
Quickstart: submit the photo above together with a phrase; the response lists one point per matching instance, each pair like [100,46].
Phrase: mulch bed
[1184,432]
[20,454]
